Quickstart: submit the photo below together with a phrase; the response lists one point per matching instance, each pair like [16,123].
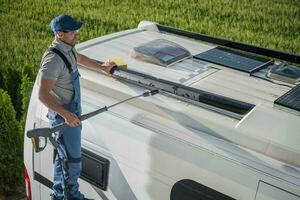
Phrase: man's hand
[71,119]
[107,67]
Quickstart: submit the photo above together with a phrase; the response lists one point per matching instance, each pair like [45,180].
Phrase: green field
[25,29]
[25,32]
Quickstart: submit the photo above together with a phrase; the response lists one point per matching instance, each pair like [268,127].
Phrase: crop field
[25,29]
[25,33]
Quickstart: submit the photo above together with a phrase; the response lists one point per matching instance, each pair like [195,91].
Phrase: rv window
[161,52]
[285,73]
[191,190]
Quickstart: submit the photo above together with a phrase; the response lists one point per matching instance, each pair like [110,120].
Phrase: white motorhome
[225,125]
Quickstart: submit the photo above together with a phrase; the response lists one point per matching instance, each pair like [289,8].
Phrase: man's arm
[46,85]
[87,62]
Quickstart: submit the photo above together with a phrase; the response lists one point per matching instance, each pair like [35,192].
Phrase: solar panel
[291,99]
[233,59]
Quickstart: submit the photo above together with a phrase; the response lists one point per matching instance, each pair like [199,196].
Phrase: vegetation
[11,147]
[25,34]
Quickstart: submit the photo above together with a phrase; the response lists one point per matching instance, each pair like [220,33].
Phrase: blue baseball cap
[64,23]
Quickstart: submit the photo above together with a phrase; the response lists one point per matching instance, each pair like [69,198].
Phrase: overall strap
[63,57]
[74,55]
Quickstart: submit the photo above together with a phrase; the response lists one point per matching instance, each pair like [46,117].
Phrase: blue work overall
[67,166]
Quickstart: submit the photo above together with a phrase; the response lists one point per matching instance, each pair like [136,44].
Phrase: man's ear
[60,34]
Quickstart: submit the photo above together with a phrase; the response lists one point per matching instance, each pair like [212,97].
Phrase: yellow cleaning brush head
[119,61]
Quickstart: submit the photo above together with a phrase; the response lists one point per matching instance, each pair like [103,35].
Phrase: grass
[25,32]
[268,23]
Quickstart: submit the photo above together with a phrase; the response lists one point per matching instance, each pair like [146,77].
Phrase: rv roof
[217,78]
[265,128]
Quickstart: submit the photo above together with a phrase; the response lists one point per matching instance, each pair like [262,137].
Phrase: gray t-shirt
[53,68]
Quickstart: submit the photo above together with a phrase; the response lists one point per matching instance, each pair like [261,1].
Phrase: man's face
[69,37]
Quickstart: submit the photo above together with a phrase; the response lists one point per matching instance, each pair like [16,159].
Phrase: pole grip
[45,132]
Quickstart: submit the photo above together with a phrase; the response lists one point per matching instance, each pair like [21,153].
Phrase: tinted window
[191,190]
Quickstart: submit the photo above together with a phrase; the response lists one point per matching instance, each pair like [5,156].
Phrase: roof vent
[285,73]
[161,52]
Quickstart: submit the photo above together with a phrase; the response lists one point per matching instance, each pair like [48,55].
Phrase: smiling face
[69,37]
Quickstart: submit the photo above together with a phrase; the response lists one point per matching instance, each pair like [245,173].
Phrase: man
[59,90]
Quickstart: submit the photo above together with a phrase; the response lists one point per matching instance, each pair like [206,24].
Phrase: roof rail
[231,44]
[221,104]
